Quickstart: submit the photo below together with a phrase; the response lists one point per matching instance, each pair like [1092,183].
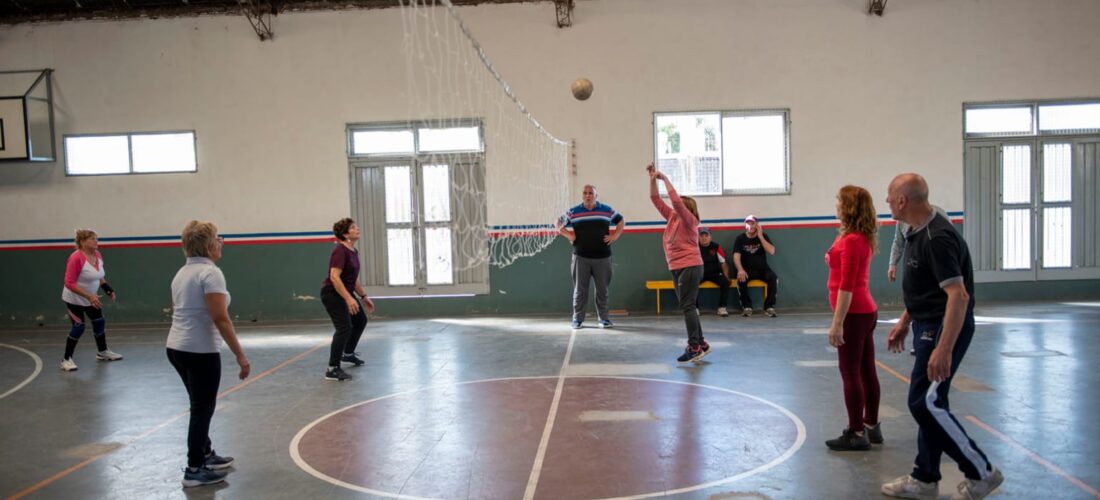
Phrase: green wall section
[282,282]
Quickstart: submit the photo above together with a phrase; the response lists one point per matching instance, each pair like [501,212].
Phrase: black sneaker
[200,476]
[705,349]
[337,374]
[215,462]
[849,441]
[691,353]
[874,434]
[353,358]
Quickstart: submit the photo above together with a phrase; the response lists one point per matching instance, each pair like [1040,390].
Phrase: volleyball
[582,88]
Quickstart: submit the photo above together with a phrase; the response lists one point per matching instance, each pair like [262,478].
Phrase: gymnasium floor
[458,408]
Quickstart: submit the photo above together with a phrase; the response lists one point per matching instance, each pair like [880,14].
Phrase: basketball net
[526,183]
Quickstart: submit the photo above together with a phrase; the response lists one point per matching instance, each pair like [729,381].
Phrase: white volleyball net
[509,194]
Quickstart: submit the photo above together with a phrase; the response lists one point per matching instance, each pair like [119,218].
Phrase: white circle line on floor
[37,369]
[799,440]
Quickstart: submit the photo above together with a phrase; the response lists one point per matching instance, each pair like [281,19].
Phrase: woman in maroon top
[348,315]
[855,316]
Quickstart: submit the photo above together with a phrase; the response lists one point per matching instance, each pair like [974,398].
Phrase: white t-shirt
[193,329]
[81,273]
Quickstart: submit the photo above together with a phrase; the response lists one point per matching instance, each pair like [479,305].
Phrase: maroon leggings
[857,369]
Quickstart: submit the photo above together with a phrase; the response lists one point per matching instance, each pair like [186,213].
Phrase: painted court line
[892,371]
[536,469]
[1036,458]
[50,480]
[37,369]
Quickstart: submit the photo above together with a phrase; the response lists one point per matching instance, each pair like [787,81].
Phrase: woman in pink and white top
[855,316]
[84,276]
[681,242]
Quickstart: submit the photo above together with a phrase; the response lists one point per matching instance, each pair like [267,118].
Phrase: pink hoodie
[681,236]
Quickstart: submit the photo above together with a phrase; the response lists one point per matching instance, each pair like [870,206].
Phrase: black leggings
[349,327]
[201,373]
[76,317]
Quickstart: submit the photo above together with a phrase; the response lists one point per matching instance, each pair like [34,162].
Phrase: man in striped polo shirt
[588,228]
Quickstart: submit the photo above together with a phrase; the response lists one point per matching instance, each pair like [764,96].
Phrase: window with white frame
[1032,171]
[132,153]
[418,194]
[724,152]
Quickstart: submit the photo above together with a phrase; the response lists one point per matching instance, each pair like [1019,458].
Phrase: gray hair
[198,237]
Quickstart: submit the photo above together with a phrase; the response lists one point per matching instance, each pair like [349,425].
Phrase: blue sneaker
[215,462]
[691,353]
[576,325]
[201,476]
[606,324]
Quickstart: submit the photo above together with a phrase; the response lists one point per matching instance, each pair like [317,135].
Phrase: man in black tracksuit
[715,268]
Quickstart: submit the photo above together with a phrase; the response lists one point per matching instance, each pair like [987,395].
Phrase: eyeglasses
[221,240]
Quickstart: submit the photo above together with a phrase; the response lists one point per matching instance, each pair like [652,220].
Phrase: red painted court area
[612,437]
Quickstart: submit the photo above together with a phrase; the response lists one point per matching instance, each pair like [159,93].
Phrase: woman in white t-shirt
[200,321]
[84,276]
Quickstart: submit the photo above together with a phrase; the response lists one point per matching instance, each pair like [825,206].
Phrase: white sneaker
[108,355]
[974,490]
[909,487]
[722,312]
[68,365]
[746,312]
[770,312]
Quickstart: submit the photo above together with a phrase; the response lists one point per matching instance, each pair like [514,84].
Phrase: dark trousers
[349,327]
[939,431]
[767,276]
[76,317]
[686,281]
[201,373]
[723,286]
[857,369]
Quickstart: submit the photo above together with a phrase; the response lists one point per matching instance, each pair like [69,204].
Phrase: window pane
[399,247]
[755,152]
[366,142]
[437,193]
[1016,239]
[450,139]
[90,155]
[1057,175]
[1069,117]
[164,152]
[999,120]
[688,152]
[1057,232]
[439,256]
[398,202]
[1016,174]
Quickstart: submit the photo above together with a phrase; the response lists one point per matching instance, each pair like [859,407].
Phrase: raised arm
[654,195]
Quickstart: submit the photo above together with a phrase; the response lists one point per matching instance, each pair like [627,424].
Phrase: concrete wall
[869,97]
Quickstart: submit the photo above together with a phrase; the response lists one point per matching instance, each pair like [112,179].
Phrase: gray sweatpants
[597,271]
[686,281]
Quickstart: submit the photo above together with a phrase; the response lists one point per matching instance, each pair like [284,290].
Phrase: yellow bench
[659,285]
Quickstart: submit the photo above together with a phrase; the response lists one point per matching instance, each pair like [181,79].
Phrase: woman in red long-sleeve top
[681,242]
[855,316]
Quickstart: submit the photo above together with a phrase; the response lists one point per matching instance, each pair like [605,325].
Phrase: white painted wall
[869,97]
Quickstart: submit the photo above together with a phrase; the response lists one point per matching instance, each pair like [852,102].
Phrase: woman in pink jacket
[681,241]
[84,276]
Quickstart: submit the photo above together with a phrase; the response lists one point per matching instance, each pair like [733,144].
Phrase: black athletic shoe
[351,357]
[691,353]
[849,441]
[337,374]
[874,434]
[214,461]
